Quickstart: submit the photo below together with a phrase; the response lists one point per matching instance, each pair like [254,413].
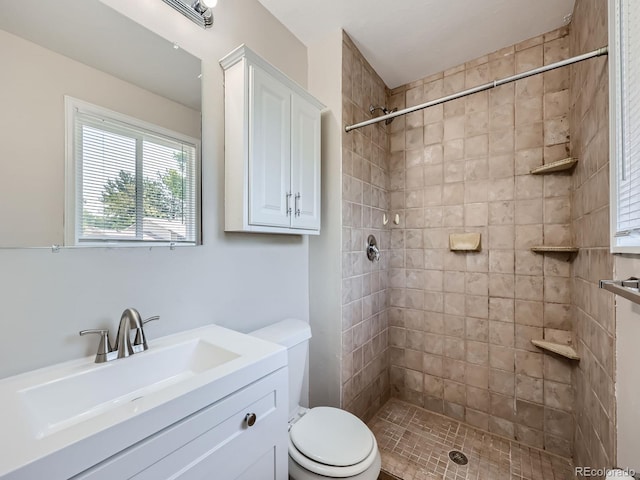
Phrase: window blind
[628,181]
[132,184]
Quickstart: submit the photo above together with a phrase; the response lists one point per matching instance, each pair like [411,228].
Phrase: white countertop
[25,453]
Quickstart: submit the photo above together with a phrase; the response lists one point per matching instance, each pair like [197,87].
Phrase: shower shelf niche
[554,249]
[559,349]
[554,167]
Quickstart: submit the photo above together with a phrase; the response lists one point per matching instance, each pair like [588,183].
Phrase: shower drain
[458,458]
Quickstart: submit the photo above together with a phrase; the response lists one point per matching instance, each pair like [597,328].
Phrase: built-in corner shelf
[554,167]
[554,249]
[557,348]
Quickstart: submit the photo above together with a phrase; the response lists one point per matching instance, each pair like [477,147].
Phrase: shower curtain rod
[487,86]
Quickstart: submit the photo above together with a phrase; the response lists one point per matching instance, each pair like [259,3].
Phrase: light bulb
[201,7]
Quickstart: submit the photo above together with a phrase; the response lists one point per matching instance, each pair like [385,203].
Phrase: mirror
[85,50]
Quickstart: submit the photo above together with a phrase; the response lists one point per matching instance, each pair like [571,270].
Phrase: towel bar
[629,288]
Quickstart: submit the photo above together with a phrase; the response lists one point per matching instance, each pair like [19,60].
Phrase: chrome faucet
[130,320]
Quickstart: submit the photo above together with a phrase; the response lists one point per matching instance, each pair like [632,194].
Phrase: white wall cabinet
[272,149]
[216,442]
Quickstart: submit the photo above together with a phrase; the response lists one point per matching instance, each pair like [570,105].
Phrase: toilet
[323,441]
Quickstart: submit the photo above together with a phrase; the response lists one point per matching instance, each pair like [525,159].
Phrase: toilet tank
[294,335]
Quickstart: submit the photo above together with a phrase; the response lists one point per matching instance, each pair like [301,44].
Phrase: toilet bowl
[329,442]
[324,442]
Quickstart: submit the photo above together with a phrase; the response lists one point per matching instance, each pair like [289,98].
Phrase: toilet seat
[332,442]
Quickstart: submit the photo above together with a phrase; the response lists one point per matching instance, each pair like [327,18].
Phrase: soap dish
[464,242]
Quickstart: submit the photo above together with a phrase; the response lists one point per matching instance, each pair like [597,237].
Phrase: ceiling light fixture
[195,10]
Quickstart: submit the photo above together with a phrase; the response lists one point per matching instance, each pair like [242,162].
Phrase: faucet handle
[140,338]
[151,319]
[104,348]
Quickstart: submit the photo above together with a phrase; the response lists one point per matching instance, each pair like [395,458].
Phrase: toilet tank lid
[288,333]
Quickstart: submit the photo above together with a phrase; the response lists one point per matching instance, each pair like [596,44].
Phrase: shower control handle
[372,250]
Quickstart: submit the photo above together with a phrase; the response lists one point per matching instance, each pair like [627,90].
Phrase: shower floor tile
[415,444]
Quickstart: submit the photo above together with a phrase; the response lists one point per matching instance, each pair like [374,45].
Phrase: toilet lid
[332,436]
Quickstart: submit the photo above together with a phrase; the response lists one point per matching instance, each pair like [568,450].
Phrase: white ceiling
[405,40]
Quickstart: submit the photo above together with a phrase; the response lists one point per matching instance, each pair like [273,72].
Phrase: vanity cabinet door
[229,450]
[216,443]
[253,460]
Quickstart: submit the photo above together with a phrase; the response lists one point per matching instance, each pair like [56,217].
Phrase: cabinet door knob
[250,419]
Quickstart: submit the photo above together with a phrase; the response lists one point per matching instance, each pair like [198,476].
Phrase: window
[624,64]
[128,182]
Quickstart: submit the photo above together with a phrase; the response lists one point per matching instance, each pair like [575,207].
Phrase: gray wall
[325,281]
[239,281]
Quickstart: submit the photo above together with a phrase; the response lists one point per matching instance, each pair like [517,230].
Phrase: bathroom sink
[76,396]
[80,412]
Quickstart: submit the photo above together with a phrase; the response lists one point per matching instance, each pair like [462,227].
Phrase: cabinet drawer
[213,451]
[213,443]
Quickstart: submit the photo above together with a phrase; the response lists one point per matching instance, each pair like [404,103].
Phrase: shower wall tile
[594,317]
[463,323]
[452,332]
[366,336]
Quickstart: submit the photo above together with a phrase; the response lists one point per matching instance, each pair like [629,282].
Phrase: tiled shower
[451,332]
[461,324]
[365,201]
[593,309]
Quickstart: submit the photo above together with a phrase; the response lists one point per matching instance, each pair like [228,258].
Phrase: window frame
[616,128]
[72,226]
